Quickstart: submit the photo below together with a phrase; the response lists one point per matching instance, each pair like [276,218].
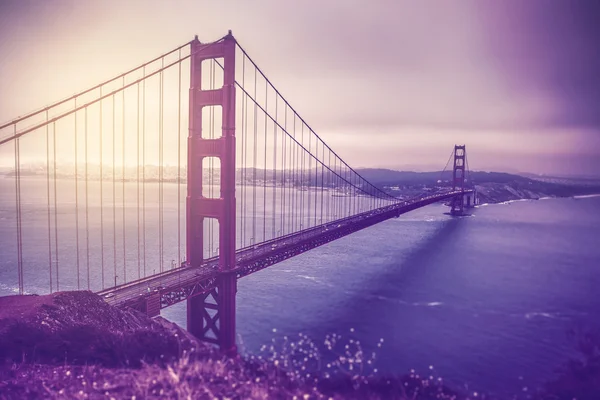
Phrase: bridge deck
[178,284]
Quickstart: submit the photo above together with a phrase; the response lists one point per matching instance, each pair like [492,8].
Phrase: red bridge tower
[211,316]
[458,179]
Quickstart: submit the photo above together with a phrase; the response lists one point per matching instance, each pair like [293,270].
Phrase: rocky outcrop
[80,328]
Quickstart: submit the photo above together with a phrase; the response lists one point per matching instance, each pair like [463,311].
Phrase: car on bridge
[155,289]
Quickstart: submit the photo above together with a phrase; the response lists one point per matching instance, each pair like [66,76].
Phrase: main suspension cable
[58,103]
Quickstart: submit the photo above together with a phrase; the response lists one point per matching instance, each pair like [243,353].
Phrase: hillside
[388,177]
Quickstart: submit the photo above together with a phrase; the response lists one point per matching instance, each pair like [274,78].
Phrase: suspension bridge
[104,194]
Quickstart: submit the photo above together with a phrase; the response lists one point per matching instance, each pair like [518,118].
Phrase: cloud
[492,73]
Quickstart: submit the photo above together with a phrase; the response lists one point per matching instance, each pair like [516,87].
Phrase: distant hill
[388,177]
[492,187]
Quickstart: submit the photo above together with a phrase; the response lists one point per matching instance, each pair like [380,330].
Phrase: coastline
[527,189]
[583,196]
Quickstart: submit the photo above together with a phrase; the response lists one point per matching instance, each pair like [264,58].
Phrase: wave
[383,298]
[310,278]
[399,301]
[429,304]
[514,201]
[12,289]
[424,219]
[541,314]
[500,203]
[314,279]
[586,196]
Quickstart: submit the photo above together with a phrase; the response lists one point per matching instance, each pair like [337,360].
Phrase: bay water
[486,300]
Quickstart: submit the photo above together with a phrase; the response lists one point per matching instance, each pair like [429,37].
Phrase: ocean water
[485,299]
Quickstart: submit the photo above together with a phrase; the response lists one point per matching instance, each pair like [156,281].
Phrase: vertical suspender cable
[211,135]
[244,161]
[160,169]
[214,228]
[179,163]
[283,172]
[297,210]
[293,150]
[322,181]
[87,211]
[254,160]
[137,180]
[309,172]
[246,164]
[314,185]
[48,197]
[302,182]
[354,193]
[21,288]
[274,178]
[144,166]
[301,174]
[101,196]
[348,191]
[123,187]
[19,220]
[328,185]
[18,212]
[244,144]
[352,205]
[265,173]
[288,212]
[55,207]
[114,201]
[76,199]
[336,199]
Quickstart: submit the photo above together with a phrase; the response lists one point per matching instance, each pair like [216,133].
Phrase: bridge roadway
[180,283]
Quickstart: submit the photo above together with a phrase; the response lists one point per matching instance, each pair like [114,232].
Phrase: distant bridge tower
[211,316]
[458,179]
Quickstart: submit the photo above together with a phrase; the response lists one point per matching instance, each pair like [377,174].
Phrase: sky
[386,83]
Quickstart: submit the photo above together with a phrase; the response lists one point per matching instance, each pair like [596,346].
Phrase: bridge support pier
[471,199]
[211,316]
